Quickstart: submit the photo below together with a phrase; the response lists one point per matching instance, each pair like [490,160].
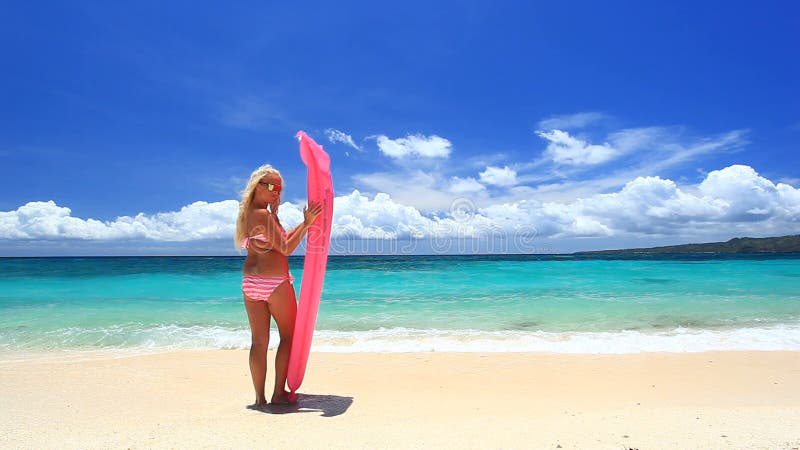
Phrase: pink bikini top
[258,237]
[262,238]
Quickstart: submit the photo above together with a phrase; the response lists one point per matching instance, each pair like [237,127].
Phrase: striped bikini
[261,288]
[257,287]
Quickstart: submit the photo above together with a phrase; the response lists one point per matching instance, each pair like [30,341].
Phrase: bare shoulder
[257,216]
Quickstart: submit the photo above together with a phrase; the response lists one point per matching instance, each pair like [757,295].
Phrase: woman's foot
[283,398]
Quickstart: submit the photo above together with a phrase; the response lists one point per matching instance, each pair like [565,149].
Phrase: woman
[266,282]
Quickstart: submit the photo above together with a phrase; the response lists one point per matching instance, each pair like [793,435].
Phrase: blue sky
[130,129]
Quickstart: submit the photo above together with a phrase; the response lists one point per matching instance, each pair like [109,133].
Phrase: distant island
[782,244]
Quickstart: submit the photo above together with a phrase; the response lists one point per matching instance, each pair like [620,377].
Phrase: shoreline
[161,339]
[77,355]
[199,398]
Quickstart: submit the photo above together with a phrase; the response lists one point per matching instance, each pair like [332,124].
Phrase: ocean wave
[168,337]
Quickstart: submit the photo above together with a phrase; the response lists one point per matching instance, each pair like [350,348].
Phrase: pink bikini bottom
[260,288]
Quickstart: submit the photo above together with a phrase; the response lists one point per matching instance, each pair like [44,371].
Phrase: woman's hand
[273,207]
[311,212]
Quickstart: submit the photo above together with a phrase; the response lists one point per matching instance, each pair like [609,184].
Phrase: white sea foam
[173,337]
[784,337]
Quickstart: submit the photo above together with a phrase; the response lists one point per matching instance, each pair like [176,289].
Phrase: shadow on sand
[328,405]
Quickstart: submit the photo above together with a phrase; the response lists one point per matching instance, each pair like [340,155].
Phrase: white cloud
[358,216]
[570,151]
[415,188]
[650,205]
[465,185]
[415,145]
[735,200]
[632,139]
[645,206]
[669,154]
[571,121]
[339,136]
[746,196]
[499,177]
[647,151]
[46,220]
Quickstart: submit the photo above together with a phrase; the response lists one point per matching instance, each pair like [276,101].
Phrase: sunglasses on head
[271,186]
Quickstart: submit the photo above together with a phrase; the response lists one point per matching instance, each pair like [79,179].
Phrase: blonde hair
[247,199]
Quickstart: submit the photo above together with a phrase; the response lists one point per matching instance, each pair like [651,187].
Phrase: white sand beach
[198,399]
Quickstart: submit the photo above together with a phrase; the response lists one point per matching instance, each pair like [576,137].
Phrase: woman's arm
[294,230]
[288,244]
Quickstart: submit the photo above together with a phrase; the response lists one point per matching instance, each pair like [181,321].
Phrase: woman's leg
[258,315]
[283,307]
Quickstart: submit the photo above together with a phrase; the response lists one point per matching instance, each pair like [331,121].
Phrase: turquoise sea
[553,303]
